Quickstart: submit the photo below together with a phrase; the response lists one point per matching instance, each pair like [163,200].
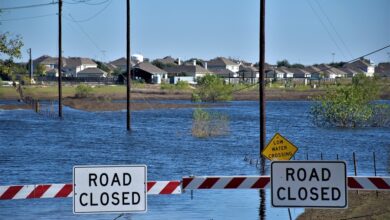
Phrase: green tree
[284,63]
[297,65]
[352,105]
[9,47]
[211,88]
[103,66]
[40,70]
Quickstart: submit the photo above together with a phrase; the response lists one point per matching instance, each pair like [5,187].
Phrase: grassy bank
[365,205]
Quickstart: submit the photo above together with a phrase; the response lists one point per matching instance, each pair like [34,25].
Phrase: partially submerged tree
[351,106]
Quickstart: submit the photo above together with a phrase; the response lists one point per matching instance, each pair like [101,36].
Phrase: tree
[284,63]
[9,46]
[211,89]
[40,70]
[103,66]
[297,65]
[352,105]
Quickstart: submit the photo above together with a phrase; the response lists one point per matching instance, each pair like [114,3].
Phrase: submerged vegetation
[352,105]
[209,123]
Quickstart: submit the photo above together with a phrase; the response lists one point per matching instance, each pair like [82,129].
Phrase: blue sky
[301,31]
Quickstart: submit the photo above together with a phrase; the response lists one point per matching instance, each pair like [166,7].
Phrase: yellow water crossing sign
[279,148]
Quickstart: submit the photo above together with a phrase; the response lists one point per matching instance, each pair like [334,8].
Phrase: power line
[28,6]
[86,2]
[325,27]
[95,15]
[84,32]
[334,29]
[27,18]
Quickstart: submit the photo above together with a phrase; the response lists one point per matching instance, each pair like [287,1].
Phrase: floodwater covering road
[36,149]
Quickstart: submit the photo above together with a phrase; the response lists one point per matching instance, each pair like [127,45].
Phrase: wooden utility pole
[262,103]
[128,64]
[59,58]
[30,65]
[261,77]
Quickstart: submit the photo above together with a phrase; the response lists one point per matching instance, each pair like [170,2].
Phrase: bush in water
[351,106]
[208,124]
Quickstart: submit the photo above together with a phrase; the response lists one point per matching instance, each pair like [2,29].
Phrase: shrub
[208,124]
[351,106]
[181,85]
[83,91]
[212,89]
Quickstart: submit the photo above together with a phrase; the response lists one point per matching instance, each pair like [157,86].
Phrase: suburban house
[70,66]
[248,73]
[48,62]
[76,64]
[149,72]
[363,65]
[188,73]
[92,72]
[120,64]
[222,63]
[383,70]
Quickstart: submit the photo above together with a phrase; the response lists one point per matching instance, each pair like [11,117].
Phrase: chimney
[194,62]
[178,61]
[205,65]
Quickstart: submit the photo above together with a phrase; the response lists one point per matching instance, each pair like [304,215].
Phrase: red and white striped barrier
[66,190]
[225,182]
[188,183]
[262,182]
[164,187]
[36,191]
[368,183]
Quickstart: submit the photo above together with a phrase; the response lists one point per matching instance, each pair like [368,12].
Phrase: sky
[301,31]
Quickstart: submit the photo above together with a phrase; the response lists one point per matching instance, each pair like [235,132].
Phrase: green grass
[8,92]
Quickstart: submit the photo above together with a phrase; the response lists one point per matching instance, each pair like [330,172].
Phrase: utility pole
[128,62]
[261,78]
[262,104]
[30,65]
[333,57]
[60,58]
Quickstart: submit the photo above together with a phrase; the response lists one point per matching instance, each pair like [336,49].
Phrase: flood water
[36,149]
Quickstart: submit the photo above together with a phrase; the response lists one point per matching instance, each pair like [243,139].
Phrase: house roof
[220,61]
[150,68]
[361,64]
[93,71]
[186,69]
[167,60]
[48,60]
[121,62]
[72,62]
[245,68]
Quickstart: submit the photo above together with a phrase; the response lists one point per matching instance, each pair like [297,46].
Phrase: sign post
[279,148]
[109,189]
[314,184]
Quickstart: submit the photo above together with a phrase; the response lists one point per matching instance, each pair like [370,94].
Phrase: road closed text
[109,198]
[311,193]
[309,184]
[109,189]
